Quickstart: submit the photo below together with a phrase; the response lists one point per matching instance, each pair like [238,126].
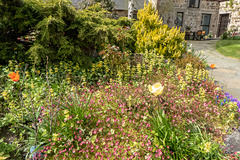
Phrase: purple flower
[230,97]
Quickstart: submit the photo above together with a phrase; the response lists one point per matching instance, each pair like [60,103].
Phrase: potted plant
[188,28]
[209,35]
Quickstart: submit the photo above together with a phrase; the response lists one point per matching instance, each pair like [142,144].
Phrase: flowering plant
[212,66]
[156,89]
[14,76]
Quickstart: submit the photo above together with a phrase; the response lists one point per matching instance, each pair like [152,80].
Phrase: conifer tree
[152,35]
[62,32]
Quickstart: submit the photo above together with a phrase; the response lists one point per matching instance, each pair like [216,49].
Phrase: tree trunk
[130,9]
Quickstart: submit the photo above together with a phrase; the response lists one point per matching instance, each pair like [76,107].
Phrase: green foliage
[16,20]
[36,30]
[230,35]
[177,144]
[153,35]
[231,4]
[65,110]
[7,149]
[106,4]
[225,35]
[53,109]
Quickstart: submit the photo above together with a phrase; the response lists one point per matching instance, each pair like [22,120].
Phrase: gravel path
[227,71]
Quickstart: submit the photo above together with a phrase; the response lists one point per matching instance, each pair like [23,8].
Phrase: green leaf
[93,139]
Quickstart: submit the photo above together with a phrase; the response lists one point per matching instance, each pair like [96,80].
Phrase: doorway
[223,23]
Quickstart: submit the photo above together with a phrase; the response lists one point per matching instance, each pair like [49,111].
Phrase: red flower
[14,76]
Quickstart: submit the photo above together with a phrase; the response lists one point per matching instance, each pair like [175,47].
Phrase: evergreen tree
[61,31]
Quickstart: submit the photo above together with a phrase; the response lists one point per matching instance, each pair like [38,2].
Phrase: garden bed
[160,104]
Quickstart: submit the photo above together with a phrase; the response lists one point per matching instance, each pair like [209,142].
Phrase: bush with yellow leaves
[153,35]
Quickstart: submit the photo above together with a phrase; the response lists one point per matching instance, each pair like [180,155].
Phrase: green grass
[229,48]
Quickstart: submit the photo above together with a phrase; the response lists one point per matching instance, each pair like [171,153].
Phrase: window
[179,20]
[206,18]
[194,3]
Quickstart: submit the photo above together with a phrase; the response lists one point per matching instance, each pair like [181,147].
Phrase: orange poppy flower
[212,66]
[179,77]
[14,76]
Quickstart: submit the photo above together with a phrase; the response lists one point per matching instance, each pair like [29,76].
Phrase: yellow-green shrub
[153,35]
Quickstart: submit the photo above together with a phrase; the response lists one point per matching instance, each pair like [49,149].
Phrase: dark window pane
[179,19]
[194,3]
[206,19]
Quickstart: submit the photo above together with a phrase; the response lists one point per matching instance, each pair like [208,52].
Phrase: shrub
[190,58]
[153,35]
[57,30]
[18,18]
[230,35]
[224,35]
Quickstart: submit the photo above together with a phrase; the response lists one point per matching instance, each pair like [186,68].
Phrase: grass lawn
[230,48]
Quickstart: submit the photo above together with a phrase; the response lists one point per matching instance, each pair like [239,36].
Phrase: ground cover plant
[230,48]
[123,106]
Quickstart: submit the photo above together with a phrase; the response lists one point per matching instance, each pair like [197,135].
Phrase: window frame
[194,6]
[210,16]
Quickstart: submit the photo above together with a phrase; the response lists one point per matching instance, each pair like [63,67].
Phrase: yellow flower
[5,94]
[56,70]
[55,137]
[73,89]
[232,116]
[217,89]
[32,86]
[156,89]
[207,147]
[24,96]
[44,132]
[65,111]
[50,71]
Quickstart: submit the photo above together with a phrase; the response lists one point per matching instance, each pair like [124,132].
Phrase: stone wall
[234,14]
[192,17]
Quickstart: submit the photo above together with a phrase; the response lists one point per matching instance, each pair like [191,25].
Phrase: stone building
[211,16]
[193,14]
[229,17]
